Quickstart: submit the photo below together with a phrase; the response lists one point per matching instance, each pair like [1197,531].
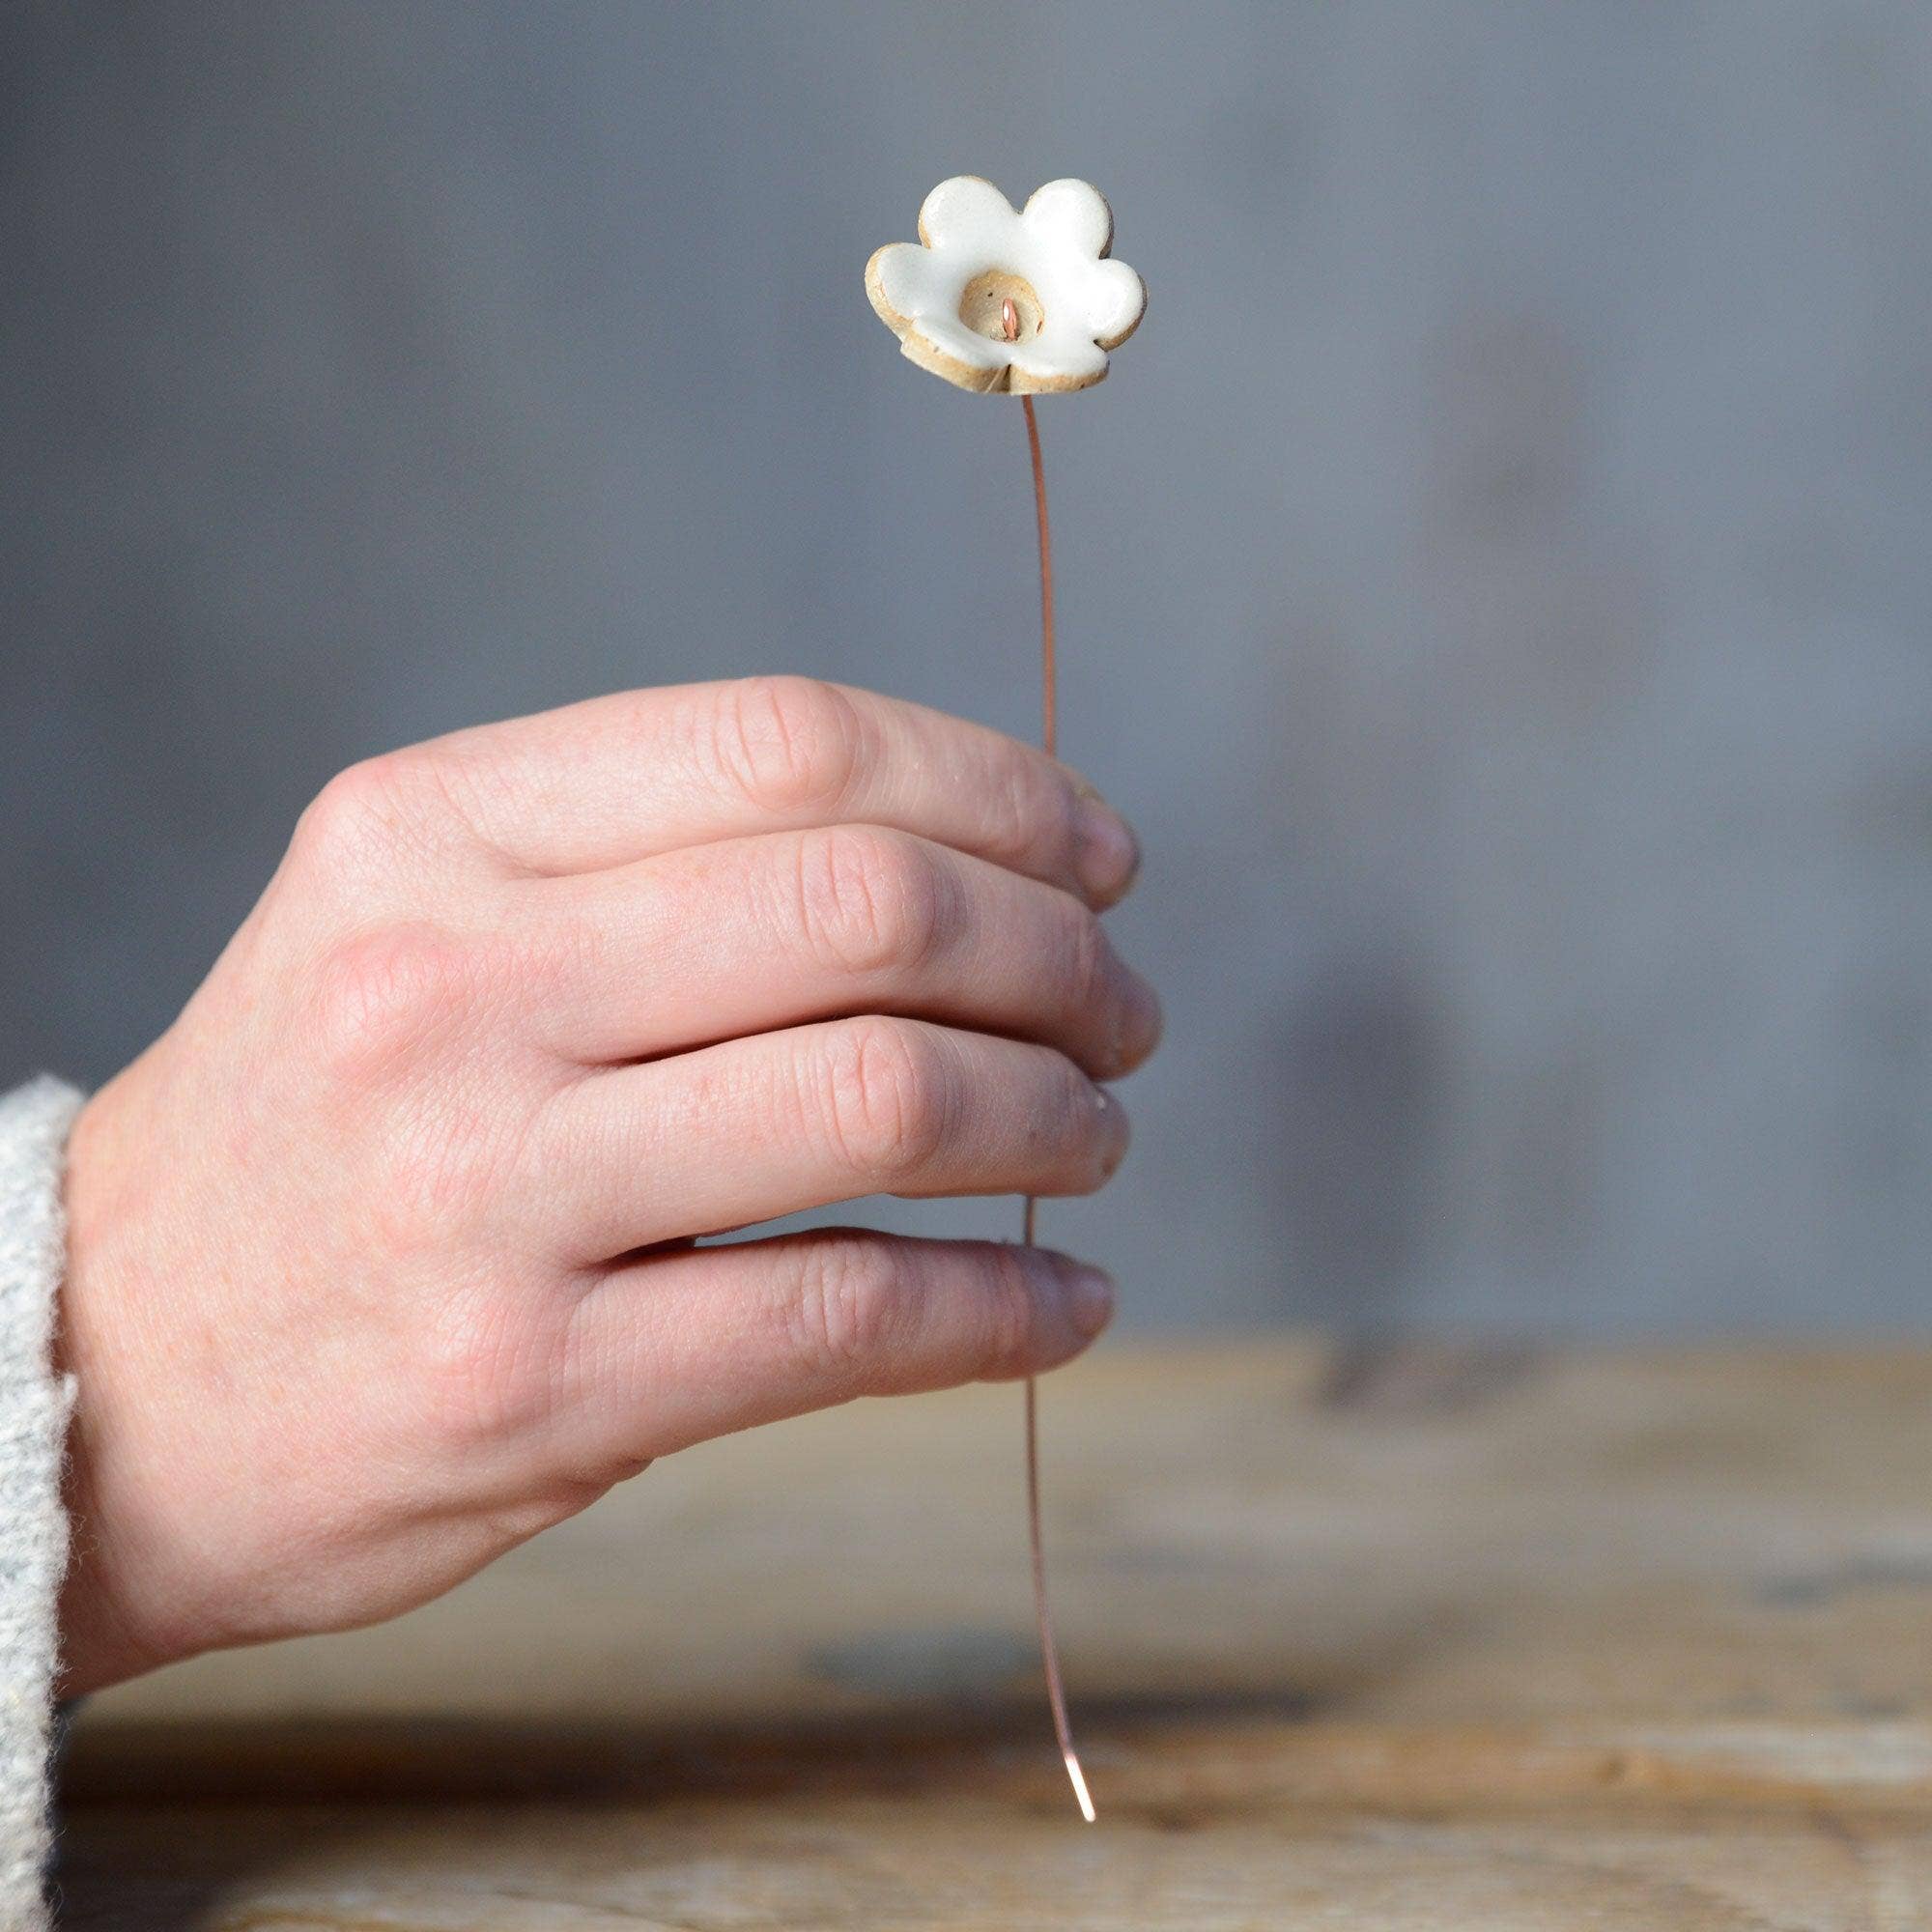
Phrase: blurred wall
[1497,577]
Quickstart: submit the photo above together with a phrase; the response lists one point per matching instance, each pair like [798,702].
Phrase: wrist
[104,1636]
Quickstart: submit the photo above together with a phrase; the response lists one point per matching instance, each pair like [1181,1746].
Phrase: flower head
[945,295]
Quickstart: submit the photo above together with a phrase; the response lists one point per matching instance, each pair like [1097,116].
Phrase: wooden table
[1420,1638]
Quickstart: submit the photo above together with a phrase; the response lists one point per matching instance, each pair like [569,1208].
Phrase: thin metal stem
[1049,706]
[1049,1650]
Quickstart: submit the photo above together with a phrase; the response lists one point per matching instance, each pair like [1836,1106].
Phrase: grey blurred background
[1496,579]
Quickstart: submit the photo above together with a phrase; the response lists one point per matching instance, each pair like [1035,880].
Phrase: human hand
[381,1260]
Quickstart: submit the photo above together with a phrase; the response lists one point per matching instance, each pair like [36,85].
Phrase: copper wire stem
[1049,732]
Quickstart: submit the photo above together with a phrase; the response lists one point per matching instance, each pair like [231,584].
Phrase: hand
[382,1259]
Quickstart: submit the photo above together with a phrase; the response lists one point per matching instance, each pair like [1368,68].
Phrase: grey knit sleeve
[34,1406]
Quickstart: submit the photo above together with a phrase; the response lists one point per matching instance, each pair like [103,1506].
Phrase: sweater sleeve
[34,1406]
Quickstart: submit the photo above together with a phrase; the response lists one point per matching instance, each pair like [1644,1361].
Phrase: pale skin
[382,1257]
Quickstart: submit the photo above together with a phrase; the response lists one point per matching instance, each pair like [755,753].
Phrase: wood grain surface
[1412,1637]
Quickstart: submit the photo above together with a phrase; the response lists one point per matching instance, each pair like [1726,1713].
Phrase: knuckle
[384,997]
[886,1096]
[486,1367]
[870,901]
[435,1175]
[365,811]
[849,1306]
[787,744]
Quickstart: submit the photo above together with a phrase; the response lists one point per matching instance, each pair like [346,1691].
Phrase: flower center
[983,298]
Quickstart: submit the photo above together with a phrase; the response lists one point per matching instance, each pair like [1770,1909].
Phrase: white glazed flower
[944,296]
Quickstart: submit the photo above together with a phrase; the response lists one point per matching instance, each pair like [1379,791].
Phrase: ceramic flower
[945,295]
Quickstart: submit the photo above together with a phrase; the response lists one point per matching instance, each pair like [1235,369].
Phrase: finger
[624,778]
[740,1133]
[683,1346]
[748,935]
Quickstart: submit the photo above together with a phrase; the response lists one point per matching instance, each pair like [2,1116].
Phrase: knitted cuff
[34,1406]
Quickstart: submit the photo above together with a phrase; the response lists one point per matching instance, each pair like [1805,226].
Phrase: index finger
[614,779]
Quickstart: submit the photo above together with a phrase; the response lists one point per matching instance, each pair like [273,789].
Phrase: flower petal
[1074,215]
[1115,296]
[901,273]
[961,207]
[1072,365]
[961,343]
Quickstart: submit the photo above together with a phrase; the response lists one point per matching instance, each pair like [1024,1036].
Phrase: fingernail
[1137,1030]
[1108,855]
[1090,1298]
